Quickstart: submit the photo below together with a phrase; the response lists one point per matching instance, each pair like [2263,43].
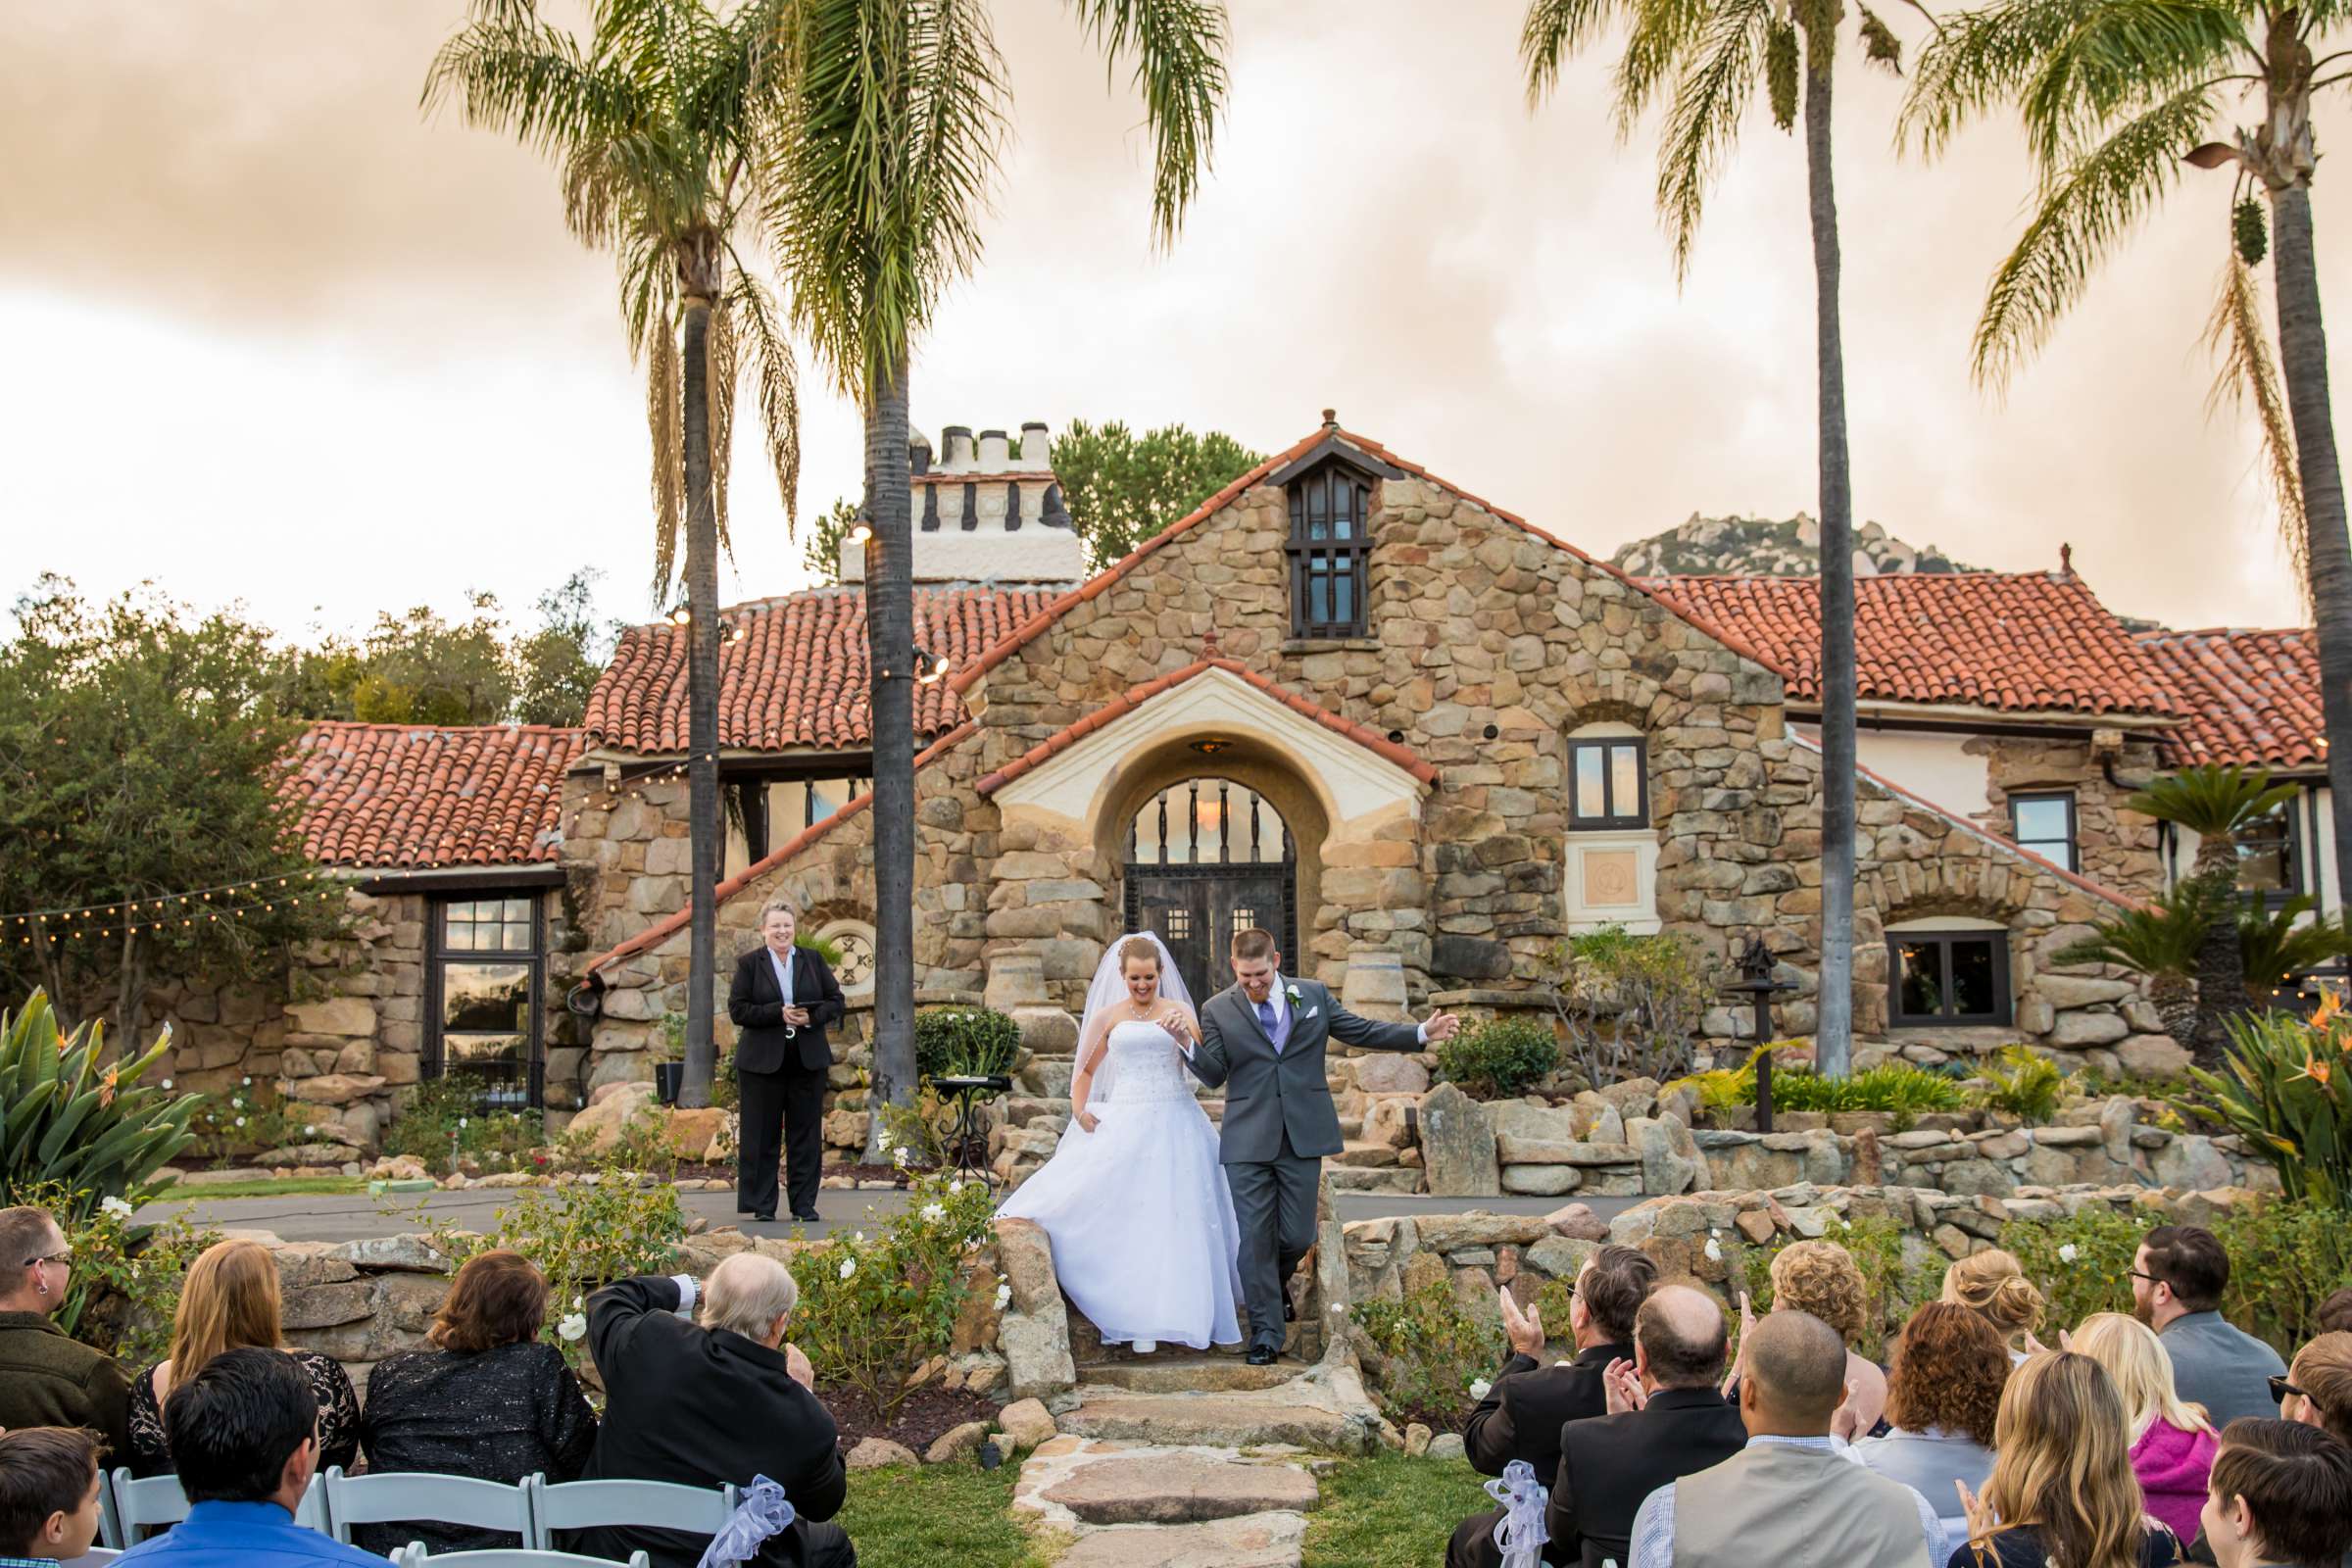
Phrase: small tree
[2218,805]
[1631,1004]
[823,553]
[557,666]
[1122,488]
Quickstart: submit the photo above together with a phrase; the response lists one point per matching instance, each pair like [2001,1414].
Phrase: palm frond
[508,70]
[1658,41]
[1880,45]
[775,382]
[2085,209]
[1552,31]
[2246,376]
[721,379]
[1710,98]
[1178,52]
[665,404]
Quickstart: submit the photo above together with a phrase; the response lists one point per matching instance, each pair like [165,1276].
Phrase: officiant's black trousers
[1274,1206]
[781,1108]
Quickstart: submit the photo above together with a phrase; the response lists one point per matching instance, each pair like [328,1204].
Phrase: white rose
[848,1267]
[247,1082]
[1003,1295]
[954,1187]
[460,1121]
[240,1122]
[932,1211]
[1480,1388]
[1714,1250]
[167,1083]
[899,1156]
[572,1327]
[114,1206]
[2067,1253]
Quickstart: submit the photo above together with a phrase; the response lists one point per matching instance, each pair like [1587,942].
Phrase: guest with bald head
[1790,1497]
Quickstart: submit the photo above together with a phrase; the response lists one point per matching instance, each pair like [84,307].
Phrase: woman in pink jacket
[2172,1444]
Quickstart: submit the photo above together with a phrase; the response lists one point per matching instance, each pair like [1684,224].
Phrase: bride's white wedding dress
[1138,1211]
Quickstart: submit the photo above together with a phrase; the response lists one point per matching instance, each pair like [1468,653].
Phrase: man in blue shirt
[244,1434]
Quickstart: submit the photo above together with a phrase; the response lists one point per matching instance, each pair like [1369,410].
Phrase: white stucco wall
[1928,764]
[2320,857]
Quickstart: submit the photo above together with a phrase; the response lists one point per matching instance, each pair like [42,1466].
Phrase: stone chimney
[985,512]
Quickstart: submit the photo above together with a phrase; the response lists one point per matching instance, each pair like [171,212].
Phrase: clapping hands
[1623,1385]
[1525,1330]
[2034,1346]
[797,1366]
[1845,1422]
[1981,1520]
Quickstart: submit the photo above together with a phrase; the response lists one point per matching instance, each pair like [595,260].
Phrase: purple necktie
[1272,1021]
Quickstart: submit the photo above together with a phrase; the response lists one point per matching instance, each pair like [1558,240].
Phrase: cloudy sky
[280,338]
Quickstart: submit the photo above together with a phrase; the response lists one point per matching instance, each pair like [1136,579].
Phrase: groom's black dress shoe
[1259,1356]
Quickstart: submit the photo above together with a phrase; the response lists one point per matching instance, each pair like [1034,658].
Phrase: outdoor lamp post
[1756,981]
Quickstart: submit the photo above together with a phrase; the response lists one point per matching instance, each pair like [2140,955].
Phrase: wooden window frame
[1611,820]
[2074,825]
[1350,556]
[434,1059]
[2004,1003]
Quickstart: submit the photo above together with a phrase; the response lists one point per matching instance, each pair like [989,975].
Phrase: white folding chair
[126,1506]
[95,1557]
[645,1505]
[413,1555]
[399,1496]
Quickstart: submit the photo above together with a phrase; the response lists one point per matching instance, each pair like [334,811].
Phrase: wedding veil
[1110,989]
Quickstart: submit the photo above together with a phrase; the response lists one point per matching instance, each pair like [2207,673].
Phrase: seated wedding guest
[1944,1393]
[2282,1494]
[1672,1424]
[46,1378]
[1521,1413]
[2335,1312]
[1790,1499]
[709,1405]
[229,1301]
[243,1429]
[2171,1441]
[2062,1494]
[48,1494]
[2317,1390]
[1993,1285]
[491,1400]
[1822,1280]
[2178,1278]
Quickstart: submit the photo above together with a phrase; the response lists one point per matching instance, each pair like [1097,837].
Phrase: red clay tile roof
[1137,696]
[784,851]
[2031,642]
[2247,697]
[414,797]
[967,675]
[799,677]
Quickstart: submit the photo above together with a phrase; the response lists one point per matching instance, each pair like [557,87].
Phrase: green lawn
[1389,1511]
[936,1516]
[265,1187]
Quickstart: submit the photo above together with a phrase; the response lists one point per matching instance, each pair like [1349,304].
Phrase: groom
[1264,1037]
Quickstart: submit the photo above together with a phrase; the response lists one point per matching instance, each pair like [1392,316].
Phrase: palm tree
[1706,61]
[2161,942]
[2218,805]
[2116,97]
[656,124]
[881,181]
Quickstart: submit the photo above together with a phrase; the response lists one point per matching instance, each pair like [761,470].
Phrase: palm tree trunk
[2303,361]
[890,654]
[702,710]
[1834,1034]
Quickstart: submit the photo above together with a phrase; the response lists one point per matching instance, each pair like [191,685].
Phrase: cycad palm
[883,179]
[2219,804]
[1705,60]
[657,122]
[2161,942]
[2115,96]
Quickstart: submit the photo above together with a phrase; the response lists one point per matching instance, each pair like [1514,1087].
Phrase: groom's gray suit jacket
[1269,1094]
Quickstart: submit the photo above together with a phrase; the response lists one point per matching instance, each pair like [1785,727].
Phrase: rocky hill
[1761,547]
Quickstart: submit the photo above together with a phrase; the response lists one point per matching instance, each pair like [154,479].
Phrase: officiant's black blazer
[756,1009]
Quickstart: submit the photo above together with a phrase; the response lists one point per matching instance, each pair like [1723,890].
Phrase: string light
[131,907]
[166,923]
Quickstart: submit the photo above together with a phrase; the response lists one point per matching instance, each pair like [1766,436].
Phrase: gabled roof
[2025,642]
[1344,443]
[2251,698]
[1136,696]
[798,678]
[418,796]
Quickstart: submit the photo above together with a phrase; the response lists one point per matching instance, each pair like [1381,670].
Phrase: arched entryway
[1205,858]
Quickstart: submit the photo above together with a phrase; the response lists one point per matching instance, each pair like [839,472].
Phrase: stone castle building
[1418,735]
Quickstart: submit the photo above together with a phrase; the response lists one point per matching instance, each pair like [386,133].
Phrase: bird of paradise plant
[2277,1091]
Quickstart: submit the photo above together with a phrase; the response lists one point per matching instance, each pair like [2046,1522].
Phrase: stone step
[1254,1541]
[1373,1178]
[1359,1156]
[1174,1487]
[1216,1420]
[1184,1374]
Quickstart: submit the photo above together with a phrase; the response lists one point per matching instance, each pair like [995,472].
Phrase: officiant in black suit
[783,1000]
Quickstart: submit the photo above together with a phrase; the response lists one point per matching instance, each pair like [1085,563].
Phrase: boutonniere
[1293,993]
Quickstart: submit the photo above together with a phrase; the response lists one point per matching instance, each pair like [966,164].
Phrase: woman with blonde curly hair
[1994,1284]
[2062,1494]
[2173,1445]
[1943,1394]
[1822,1278]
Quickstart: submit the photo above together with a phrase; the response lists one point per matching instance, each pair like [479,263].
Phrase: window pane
[461,937]
[1919,987]
[1589,801]
[1974,991]
[1625,780]
[1318,510]
[460,1051]
[1343,585]
[518,935]
[2040,818]
[2266,862]
[517,909]
[477,997]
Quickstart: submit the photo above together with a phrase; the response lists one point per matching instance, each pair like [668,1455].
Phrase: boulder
[1457,1143]
[1026,1423]
[1447,1446]
[2071,991]
[2194,1162]
[352,1016]
[2080,1029]
[335,1088]
[1670,1161]
[1541,1181]
[2153,1057]
[1636,1097]
[1578,1223]
[410,1254]
[1388,1072]
[879,1453]
[601,1125]
[1036,1354]
[957,1442]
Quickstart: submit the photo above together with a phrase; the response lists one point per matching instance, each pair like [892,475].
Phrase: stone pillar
[1375,986]
[1016,986]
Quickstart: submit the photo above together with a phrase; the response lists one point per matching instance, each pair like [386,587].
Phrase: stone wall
[2113,845]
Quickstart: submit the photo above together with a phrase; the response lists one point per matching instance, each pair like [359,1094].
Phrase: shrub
[124,1283]
[254,1117]
[1896,1087]
[2082,1262]
[1496,1060]
[1631,1004]
[1891,1287]
[2024,1084]
[68,1123]
[1431,1351]
[2279,1089]
[445,1114]
[874,1309]
[964,1042]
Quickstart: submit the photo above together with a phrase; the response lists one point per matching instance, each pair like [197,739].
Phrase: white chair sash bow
[1520,1533]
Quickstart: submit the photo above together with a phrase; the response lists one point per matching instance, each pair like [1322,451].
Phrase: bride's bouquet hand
[1177,1028]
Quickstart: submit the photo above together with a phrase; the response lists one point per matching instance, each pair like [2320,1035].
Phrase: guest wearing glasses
[2178,1279]
[47,1378]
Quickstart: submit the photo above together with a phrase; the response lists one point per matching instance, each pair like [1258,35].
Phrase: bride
[1134,1199]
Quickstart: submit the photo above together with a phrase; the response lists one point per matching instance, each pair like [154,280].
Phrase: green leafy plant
[964,1042]
[667,1043]
[2082,1262]
[1896,1087]
[2279,945]
[1499,1059]
[1630,1005]
[2024,1084]
[1723,1089]
[2285,1087]
[873,1308]
[70,1122]
[253,1118]
[125,1284]
[1431,1351]
[2221,805]
[1890,1286]
[444,1116]
[2160,941]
